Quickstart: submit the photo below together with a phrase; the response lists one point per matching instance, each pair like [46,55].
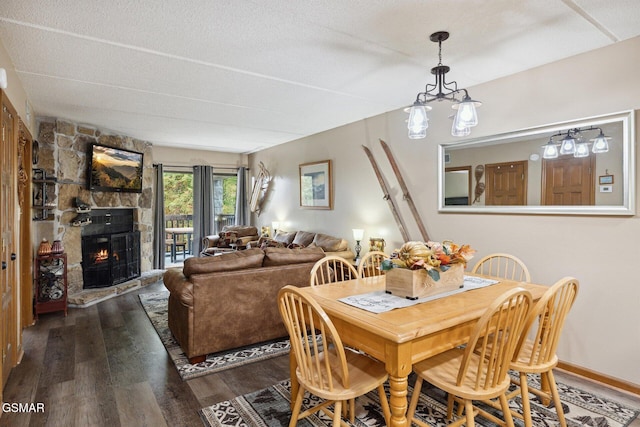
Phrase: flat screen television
[115,169]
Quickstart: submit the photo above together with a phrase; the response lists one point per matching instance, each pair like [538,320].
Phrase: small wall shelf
[43,186]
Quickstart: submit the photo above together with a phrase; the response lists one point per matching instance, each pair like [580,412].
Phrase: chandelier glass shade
[466,115]
[600,143]
[418,121]
[573,143]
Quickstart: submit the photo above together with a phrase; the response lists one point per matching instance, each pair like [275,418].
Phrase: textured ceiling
[242,75]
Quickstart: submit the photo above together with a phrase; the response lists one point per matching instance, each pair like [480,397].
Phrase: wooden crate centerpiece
[414,284]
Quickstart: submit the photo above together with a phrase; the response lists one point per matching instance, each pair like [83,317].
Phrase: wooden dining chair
[469,375]
[324,367]
[370,264]
[330,269]
[538,344]
[502,265]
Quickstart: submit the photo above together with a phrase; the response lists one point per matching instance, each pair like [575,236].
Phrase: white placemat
[380,301]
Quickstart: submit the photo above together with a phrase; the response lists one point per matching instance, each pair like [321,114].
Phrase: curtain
[202,205]
[158,219]
[242,211]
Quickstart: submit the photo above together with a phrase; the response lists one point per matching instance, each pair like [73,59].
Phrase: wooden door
[568,181]
[8,277]
[25,254]
[506,184]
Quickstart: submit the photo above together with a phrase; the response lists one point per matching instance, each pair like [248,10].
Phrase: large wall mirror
[510,173]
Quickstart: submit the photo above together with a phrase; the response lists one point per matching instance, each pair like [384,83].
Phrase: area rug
[271,407]
[155,305]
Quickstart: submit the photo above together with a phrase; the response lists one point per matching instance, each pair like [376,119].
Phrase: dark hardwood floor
[106,366]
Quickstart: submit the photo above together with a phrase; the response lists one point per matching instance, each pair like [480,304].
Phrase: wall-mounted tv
[115,169]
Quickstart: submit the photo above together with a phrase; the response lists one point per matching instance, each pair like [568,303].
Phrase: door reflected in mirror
[457,190]
[519,179]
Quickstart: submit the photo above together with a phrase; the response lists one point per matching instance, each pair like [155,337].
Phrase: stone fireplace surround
[63,149]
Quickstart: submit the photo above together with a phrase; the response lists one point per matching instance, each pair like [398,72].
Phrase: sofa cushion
[237,260]
[330,243]
[303,239]
[285,237]
[285,256]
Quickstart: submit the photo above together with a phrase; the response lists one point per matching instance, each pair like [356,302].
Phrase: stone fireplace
[63,150]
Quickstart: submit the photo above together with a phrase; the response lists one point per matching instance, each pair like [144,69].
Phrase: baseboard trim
[596,376]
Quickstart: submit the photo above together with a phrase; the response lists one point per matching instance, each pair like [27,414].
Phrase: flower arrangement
[434,257]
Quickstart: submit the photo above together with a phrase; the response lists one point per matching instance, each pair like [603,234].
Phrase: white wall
[603,330]
[16,93]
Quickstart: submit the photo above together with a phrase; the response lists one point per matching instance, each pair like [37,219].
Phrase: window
[178,199]
[224,200]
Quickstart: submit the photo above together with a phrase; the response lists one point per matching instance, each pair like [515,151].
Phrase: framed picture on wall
[316,185]
[605,179]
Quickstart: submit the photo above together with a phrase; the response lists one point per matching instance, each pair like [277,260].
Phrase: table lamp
[358,234]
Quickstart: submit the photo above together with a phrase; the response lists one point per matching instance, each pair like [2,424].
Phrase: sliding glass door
[178,215]
[224,200]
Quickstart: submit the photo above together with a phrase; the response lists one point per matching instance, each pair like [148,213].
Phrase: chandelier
[574,143]
[465,117]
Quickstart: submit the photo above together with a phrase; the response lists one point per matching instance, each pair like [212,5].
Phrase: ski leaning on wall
[387,197]
[405,191]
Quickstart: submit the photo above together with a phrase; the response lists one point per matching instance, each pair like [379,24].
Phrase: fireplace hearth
[110,248]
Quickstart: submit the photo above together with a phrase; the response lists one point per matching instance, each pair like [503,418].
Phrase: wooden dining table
[405,336]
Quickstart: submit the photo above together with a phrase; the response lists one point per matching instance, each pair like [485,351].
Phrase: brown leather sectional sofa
[237,235]
[306,239]
[227,301]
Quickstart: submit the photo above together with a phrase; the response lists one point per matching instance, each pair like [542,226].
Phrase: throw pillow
[270,243]
[303,238]
[329,243]
[285,237]
[228,237]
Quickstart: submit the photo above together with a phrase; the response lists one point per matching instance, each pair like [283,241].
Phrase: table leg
[398,365]
[173,248]
[398,400]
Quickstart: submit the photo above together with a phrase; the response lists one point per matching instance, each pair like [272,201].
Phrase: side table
[50,284]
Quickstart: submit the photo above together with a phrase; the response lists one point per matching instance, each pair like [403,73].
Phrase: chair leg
[450,404]
[295,412]
[556,398]
[384,402]
[352,410]
[468,409]
[417,388]
[526,404]
[506,411]
[337,413]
